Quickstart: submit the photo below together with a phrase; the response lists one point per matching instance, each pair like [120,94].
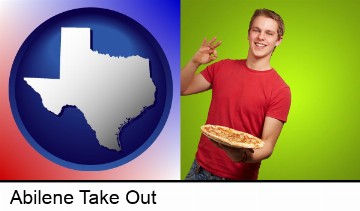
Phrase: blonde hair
[269,14]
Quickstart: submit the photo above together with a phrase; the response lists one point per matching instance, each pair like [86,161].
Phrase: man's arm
[271,131]
[192,83]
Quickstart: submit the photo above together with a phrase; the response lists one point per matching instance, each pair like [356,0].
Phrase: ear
[279,41]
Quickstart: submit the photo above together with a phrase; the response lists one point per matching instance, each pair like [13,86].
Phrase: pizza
[231,137]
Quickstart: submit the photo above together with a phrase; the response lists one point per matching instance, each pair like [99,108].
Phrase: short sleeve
[280,104]
[209,72]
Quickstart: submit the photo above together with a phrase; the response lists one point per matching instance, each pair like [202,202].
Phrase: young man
[247,95]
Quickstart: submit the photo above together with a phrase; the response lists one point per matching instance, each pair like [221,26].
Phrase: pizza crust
[231,137]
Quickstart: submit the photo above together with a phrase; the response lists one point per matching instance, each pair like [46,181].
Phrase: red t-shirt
[241,99]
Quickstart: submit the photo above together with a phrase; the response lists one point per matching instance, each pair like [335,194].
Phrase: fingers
[216,45]
[207,52]
[208,55]
[212,58]
[205,49]
[234,149]
[210,51]
[251,150]
[214,55]
[212,43]
[204,43]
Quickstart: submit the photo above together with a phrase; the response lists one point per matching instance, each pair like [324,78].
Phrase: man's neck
[259,64]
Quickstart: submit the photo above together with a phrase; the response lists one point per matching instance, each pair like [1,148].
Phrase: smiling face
[263,38]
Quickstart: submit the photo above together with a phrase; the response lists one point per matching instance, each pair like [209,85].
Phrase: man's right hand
[192,83]
[207,52]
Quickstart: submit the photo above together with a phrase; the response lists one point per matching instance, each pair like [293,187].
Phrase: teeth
[260,45]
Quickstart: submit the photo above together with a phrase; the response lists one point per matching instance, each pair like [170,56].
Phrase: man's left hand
[235,154]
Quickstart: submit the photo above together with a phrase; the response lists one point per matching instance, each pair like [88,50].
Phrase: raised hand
[207,52]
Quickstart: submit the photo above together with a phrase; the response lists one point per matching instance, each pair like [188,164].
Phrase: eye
[256,30]
[270,33]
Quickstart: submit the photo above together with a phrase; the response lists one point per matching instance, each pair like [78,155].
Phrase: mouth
[260,45]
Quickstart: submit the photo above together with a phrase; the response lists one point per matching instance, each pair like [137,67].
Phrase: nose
[261,36]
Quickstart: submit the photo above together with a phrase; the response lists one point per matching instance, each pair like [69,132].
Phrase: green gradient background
[318,58]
